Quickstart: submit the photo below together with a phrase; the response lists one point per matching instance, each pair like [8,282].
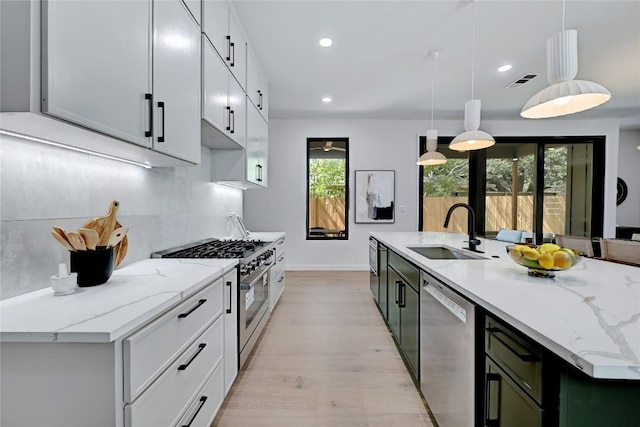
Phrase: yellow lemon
[531,253]
[562,260]
[520,248]
[546,261]
[569,251]
[549,248]
[516,255]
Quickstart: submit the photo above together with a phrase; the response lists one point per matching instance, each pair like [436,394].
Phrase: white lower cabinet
[206,404]
[165,400]
[231,353]
[278,275]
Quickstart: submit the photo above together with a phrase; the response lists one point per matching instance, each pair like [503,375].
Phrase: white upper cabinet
[96,66]
[224,32]
[224,106]
[256,152]
[176,81]
[97,71]
[257,84]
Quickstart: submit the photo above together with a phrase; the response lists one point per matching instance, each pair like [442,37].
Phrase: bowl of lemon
[544,260]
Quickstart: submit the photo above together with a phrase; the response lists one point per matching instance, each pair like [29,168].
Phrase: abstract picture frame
[375,196]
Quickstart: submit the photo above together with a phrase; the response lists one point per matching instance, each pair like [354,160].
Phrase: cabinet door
[252,151]
[231,360]
[393,309]
[96,65]
[176,81]
[215,20]
[263,152]
[215,88]
[195,7]
[237,60]
[264,96]
[253,77]
[409,321]
[238,104]
[505,403]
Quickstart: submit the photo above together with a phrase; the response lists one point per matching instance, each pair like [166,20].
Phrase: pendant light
[565,95]
[432,156]
[473,138]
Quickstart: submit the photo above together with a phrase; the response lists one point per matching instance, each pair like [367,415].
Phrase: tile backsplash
[42,186]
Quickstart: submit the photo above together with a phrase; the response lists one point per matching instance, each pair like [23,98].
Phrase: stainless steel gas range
[255,259]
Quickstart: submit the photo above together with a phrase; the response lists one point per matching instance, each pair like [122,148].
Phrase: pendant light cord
[564,6]
[432,93]
[473,45]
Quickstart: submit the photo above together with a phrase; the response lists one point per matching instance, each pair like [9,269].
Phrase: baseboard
[327,267]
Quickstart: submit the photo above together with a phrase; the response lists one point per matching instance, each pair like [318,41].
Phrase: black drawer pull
[281,258]
[183,315]
[488,421]
[230,297]
[185,366]
[281,279]
[203,399]
[526,357]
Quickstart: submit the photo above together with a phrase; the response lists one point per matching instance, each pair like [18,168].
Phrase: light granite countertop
[133,295]
[588,315]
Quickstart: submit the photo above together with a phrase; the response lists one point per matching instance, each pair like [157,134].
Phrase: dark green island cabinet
[399,304]
[526,385]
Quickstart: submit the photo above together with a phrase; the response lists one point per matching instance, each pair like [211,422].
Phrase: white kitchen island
[115,354]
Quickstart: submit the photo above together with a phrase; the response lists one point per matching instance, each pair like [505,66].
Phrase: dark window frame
[477,178]
[346,189]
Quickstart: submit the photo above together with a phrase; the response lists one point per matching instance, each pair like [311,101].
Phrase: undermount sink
[443,252]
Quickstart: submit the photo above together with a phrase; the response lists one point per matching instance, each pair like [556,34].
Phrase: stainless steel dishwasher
[447,343]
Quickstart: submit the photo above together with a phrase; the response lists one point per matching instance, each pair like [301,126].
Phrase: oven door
[254,308]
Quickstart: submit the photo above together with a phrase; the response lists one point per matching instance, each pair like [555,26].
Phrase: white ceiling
[378,66]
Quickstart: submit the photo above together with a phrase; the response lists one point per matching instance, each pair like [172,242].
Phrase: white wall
[628,213]
[379,144]
[43,186]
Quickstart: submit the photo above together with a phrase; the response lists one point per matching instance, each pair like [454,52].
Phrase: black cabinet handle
[229,48]
[149,98]
[259,173]
[183,315]
[488,421]
[403,295]
[259,100]
[201,347]
[281,279]
[232,119]
[281,258]
[397,290]
[230,297]
[161,105]
[229,118]
[203,399]
[525,357]
[233,55]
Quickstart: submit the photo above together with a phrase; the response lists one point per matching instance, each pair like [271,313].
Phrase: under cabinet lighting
[326,99]
[228,184]
[504,68]
[72,148]
[325,42]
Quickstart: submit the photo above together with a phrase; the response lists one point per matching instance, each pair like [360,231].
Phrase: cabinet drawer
[518,357]
[205,406]
[406,269]
[280,247]
[165,400]
[278,268]
[147,352]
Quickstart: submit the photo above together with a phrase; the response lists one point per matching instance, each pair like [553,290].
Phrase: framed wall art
[375,196]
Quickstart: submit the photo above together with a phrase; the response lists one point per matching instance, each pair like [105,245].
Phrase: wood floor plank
[325,358]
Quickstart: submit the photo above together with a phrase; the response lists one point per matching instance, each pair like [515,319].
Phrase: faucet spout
[473,240]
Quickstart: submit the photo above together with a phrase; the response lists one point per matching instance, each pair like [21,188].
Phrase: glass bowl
[544,260]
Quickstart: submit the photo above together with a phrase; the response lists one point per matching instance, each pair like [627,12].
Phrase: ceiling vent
[522,80]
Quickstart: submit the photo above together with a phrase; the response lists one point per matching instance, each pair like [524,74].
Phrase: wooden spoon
[117,235]
[63,241]
[90,237]
[76,241]
[60,232]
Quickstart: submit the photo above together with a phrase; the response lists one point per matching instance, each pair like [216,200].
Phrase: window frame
[346,189]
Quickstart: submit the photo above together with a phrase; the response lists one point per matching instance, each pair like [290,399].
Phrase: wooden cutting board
[105,225]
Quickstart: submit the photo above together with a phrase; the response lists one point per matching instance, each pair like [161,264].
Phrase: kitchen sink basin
[444,252]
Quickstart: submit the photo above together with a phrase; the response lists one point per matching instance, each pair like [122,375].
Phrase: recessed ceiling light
[326,99]
[325,42]
[504,68]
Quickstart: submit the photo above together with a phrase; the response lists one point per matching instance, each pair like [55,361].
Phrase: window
[543,185]
[327,188]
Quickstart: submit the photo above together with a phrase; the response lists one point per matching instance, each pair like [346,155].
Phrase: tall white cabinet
[128,69]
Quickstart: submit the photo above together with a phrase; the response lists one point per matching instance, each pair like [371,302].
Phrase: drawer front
[521,359]
[406,269]
[278,268]
[151,349]
[280,247]
[164,401]
[205,406]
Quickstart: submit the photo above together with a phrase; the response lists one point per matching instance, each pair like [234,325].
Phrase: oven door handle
[248,286]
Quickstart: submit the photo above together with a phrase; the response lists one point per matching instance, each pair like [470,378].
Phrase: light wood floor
[325,358]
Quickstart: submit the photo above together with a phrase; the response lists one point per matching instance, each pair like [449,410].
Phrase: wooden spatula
[76,241]
[117,236]
[63,241]
[90,237]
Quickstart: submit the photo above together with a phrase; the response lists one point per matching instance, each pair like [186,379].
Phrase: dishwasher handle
[440,295]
